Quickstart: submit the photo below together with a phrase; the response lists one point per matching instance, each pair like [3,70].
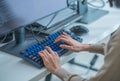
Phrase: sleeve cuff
[63,74]
[66,76]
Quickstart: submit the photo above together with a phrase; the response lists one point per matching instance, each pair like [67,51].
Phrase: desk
[16,69]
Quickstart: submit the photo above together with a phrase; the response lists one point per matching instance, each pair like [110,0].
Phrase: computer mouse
[79,30]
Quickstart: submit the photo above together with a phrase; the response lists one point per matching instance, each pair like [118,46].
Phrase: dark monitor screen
[16,13]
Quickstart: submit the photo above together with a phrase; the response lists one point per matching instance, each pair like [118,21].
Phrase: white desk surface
[16,69]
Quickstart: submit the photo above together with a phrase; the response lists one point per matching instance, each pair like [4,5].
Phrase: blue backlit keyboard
[31,53]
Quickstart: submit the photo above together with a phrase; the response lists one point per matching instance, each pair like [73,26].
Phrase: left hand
[51,59]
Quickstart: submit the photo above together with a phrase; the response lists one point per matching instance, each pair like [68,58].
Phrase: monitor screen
[16,13]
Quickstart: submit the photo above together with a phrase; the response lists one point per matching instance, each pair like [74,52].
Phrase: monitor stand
[19,44]
[92,15]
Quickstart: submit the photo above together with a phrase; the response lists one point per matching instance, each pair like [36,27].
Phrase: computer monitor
[16,14]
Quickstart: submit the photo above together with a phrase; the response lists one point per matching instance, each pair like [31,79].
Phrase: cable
[30,27]
[71,5]
[36,26]
[52,19]
[32,31]
[3,39]
[33,34]
[55,14]
[92,63]
[103,4]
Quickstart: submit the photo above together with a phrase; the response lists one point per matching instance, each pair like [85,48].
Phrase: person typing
[108,72]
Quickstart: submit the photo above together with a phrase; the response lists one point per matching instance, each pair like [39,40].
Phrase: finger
[52,59]
[40,53]
[57,39]
[50,51]
[46,51]
[57,57]
[65,34]
[66,47]
[56,54]
[45,60]
[42,56]
[64,40]
[50,56]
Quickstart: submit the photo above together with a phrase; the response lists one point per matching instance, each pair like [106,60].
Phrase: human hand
[71,44]
[51,59]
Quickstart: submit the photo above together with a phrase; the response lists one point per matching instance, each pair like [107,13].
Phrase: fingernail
[60,45]
[55,40]
[46,46]
[41,54]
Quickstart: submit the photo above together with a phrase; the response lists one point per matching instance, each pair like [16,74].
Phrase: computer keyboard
[31,53]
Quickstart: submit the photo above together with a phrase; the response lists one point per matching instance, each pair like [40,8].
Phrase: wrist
[55,70]
[86,47]
[63,74]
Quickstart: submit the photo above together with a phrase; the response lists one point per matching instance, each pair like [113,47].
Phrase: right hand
[71,44]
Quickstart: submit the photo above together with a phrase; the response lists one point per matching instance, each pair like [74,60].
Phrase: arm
[52,63]
[97,48]
[66,76]
[76,46]
[109,71]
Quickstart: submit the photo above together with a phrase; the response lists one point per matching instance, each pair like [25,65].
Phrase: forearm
[95,48]
[66,76]
[110,69]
